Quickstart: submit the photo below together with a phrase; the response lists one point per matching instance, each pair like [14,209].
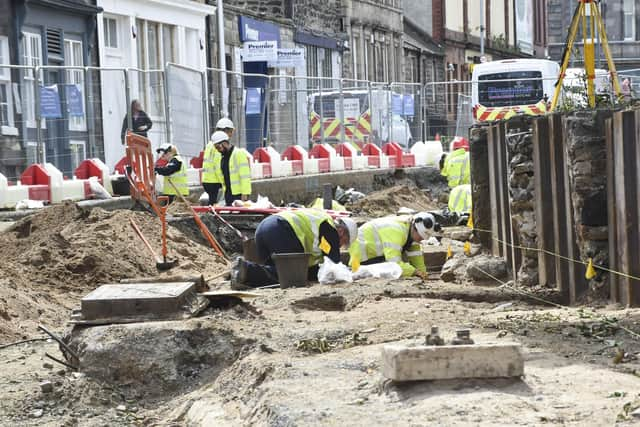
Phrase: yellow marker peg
[467,248]
[591,272]
[470,222]
[324,245]
[355,264]
[449,252]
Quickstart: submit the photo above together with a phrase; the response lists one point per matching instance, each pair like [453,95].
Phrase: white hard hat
[166,147]
[219,136]
[424,221]
[225,123]
[352,228]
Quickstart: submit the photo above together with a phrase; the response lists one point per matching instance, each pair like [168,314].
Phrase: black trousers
[212,192]
[274,235]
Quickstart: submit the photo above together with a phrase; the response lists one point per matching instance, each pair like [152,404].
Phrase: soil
[298,356]
[53,258]
[388,201]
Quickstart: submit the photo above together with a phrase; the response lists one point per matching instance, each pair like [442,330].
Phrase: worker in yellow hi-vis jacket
[394,239]
[226,167]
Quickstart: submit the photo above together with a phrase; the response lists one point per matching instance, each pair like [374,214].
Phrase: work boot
[239,274]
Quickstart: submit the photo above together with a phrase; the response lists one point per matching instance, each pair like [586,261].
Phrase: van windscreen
[510,88]
[354,104]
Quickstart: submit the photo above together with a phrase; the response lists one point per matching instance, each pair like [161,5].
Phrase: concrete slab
[404,363]
[136,299]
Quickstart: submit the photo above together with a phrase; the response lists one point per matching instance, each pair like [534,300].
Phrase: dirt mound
[388,201]
[53,258]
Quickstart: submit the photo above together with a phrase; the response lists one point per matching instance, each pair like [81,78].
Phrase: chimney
[438,20]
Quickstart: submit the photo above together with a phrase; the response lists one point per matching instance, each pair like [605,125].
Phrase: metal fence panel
[186,109]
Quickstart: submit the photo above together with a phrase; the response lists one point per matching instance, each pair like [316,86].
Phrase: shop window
[77,152]
[6,102]
[32,56]
[629,23]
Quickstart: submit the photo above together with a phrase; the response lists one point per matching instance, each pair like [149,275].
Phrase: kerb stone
[403,363]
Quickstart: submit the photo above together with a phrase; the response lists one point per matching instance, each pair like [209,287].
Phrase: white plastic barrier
[433,152]
[278,169]
[336,163]
[419,150]
[10,195]
[55,179]
[359,162]
[310,166]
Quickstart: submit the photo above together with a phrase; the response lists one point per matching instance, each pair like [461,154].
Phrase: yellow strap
[324,245]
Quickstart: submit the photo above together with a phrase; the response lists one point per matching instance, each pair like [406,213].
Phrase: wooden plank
[632,142]
[543,200]
[559,207]
[493,189]
[611,210]
[503,196]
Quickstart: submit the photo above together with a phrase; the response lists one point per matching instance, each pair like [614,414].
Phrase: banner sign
[74,100]
[260,51]
[50,102]
[254,98]
[396,104]
[289,58]
[408,105]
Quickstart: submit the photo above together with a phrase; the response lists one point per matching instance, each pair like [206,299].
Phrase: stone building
[316,31]
[47,115]
[622,23]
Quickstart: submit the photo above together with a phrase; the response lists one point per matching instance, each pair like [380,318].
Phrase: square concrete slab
[136,299]
[404,363]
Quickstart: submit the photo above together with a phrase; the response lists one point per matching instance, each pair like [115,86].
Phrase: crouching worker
[305,230]
[394,239]
[174,172]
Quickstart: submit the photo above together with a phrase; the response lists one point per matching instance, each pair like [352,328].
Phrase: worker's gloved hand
[421,274]
[155,169]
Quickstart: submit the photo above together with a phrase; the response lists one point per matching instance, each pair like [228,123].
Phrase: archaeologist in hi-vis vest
[394,239]
[456,166]
[301,231]
[175,171]
[460,199]
[225,167]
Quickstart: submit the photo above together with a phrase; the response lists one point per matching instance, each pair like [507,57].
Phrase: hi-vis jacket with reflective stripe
[460,198]
[388,237]
[179,180]
[209,160]
[306,225]
[457,168]
[239,170]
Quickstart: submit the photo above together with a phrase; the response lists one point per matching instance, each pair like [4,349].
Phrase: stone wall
[587,158]
[522,193]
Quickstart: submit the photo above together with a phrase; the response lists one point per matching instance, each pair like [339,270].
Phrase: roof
[75,6]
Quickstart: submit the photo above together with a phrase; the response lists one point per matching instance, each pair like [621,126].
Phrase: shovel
[161,265]
[225,222]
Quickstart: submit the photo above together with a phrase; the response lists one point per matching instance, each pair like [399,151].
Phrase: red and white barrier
[10,195]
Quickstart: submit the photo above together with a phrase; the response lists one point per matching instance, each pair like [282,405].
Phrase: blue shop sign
[396,104]
[50,102]
[254,30]
[409,105]
[254,101]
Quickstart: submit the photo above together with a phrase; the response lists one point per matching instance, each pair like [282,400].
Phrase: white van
[363,123]
[507,87]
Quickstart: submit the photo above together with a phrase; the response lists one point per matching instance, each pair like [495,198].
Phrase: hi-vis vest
[239,170]
[457,168]
[387,237]
[460,198]
[306,225]
[209,160]
[179,180]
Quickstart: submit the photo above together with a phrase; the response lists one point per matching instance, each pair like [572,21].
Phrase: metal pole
[370,110]
[89,117]
[127,97]
[481,27]
[263,121]
[222,60]
[167,106]
[294,106]
[343,121]
[41,151]
[321,113]
[205,110]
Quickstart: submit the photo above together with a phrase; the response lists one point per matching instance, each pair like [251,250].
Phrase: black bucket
[293,269]
[250,251]
[120,186]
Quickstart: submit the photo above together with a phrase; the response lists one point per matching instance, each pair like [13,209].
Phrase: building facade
[144,35]
[47,115]
[622,24]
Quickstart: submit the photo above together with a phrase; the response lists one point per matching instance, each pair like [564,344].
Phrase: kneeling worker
[175,172]
[305,230]
[227,168]
[392,238]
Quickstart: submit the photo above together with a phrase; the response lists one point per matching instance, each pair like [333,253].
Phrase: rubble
[486,268]
[388,201]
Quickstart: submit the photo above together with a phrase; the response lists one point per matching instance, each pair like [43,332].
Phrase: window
[110,33]
[156,47]
[6,104]
[32,56]
[32,152]
[77,153]
[75,85]
[628,8]
[354,55]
